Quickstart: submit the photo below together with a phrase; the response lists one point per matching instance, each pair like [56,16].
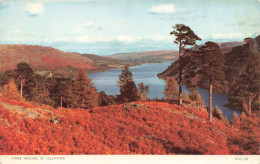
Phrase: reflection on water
[147,73]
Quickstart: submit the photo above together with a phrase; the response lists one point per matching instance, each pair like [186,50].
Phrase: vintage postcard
[141,81]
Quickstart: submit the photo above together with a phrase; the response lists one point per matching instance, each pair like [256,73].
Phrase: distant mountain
[40,57]
[230,44]
[166,54]
[225,46]
[147,55]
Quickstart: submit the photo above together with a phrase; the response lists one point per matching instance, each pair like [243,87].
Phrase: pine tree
[84,95]
[10,91]
[212,67]
[171,90]
[128,89]
[205,65]
[184,37]
[61,92]
[26,77]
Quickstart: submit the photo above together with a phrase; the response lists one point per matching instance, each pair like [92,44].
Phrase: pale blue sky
[105,27]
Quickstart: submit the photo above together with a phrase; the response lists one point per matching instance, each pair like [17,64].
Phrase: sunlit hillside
[132,128]
[41,57]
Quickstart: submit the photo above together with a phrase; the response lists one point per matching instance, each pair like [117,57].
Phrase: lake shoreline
[147,73]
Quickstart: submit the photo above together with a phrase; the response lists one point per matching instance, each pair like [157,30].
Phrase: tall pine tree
[84,94]
[26,78]
[184,36]
[207,65]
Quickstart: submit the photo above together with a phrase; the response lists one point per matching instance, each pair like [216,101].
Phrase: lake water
[147,73]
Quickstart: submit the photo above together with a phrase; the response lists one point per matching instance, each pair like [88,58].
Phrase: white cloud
[120,38]
[159,38]
[124,38]
[162,9]
[106,39]
[228,36]
[16,39]
[35,8]
[63,39]
[81,39]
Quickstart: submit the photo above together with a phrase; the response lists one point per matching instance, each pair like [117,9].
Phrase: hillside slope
[40,57]
[133,128]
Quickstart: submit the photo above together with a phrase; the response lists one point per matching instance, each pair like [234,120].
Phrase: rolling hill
[40,57]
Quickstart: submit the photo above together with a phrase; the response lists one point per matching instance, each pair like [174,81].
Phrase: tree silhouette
[184,37]
[27,82]
[128,89]
[84,95]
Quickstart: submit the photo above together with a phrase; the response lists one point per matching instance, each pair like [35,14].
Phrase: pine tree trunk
[180,76]
[210,102]
[22,82]
[21,89]
[180,87]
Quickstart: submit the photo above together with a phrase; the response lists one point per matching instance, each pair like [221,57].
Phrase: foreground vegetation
[148,127]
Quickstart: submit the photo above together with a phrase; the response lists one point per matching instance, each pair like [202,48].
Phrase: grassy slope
[133,128]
